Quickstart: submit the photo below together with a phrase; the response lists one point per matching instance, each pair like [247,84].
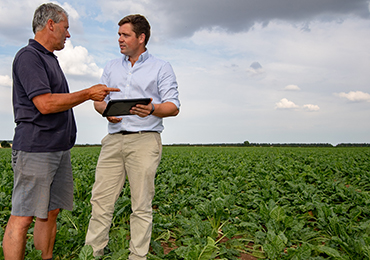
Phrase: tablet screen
[121,107]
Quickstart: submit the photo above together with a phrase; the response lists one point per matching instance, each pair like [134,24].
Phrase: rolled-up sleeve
[167,85]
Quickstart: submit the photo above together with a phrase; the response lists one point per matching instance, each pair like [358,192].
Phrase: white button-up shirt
[148,78]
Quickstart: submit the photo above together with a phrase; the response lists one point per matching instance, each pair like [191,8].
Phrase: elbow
[173,110]
[176,112]
[44,110]
[44,104]
[47,108]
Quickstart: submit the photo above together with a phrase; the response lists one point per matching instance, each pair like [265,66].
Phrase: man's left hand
[142,110]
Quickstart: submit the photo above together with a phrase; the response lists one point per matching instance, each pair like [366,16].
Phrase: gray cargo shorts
[42,182]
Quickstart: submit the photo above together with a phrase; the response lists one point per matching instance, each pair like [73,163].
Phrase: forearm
[165,110]
[100,106]
[59,102]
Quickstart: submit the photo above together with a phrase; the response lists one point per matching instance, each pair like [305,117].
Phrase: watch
[151,112]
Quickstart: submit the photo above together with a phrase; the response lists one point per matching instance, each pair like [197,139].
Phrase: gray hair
[45,12]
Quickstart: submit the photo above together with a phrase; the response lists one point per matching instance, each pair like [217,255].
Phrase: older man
[45,131]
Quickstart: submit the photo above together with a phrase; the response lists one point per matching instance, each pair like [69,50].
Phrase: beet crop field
[228,203]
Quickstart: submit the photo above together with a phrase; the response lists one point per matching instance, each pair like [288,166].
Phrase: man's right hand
[113,119]
[99,91]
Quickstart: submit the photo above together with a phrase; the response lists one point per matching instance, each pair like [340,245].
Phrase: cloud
[72,13]
[16,26]
[292,88]
[73,17]
[355,96]
[184,18]
[5,99]
[177,19]
[241,15]
[285,104]
[256,65]
[5,81]
[310,107]
[255,69]
[302,43]
[76,61]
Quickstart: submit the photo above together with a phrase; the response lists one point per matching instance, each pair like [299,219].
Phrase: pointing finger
[113,89]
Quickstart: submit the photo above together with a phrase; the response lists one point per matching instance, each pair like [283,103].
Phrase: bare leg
[14,242]
[44,234]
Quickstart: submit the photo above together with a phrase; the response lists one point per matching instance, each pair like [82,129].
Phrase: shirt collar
[35,44]
[143,57]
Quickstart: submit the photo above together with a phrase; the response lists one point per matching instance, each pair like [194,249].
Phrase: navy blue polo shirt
[36,71]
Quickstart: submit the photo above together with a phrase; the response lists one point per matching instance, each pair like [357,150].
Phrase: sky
[262,71]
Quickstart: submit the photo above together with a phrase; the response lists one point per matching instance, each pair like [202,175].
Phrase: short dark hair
[45,12]
[139,24]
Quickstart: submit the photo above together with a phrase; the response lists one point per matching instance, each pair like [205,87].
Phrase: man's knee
[19,222]
[53,213]
[52,216]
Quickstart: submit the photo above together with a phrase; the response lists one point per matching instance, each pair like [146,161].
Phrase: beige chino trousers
[136,156]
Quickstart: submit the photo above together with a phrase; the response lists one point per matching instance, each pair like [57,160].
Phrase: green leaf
[277,213]
[34,255]
[121,254]
[86,253]
[328,250]
[209,251]
[301,252]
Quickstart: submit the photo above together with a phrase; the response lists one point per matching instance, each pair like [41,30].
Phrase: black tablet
[121,107]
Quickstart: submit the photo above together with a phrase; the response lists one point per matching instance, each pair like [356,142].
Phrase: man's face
[61,33]
[129,44]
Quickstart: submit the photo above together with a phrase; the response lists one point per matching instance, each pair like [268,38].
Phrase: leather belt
[139,132]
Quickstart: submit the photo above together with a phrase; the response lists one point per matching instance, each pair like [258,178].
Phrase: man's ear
[50,25]
[142,38]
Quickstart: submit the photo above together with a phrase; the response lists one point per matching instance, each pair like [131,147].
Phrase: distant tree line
[309,145]
[288,144]
[7,144]
[352,145]
[248,144]
[87,145]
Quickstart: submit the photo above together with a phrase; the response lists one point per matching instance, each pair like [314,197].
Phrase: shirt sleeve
[167,85]
[31,73]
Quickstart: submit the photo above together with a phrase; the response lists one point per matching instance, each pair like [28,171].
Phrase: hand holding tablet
[121,107]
